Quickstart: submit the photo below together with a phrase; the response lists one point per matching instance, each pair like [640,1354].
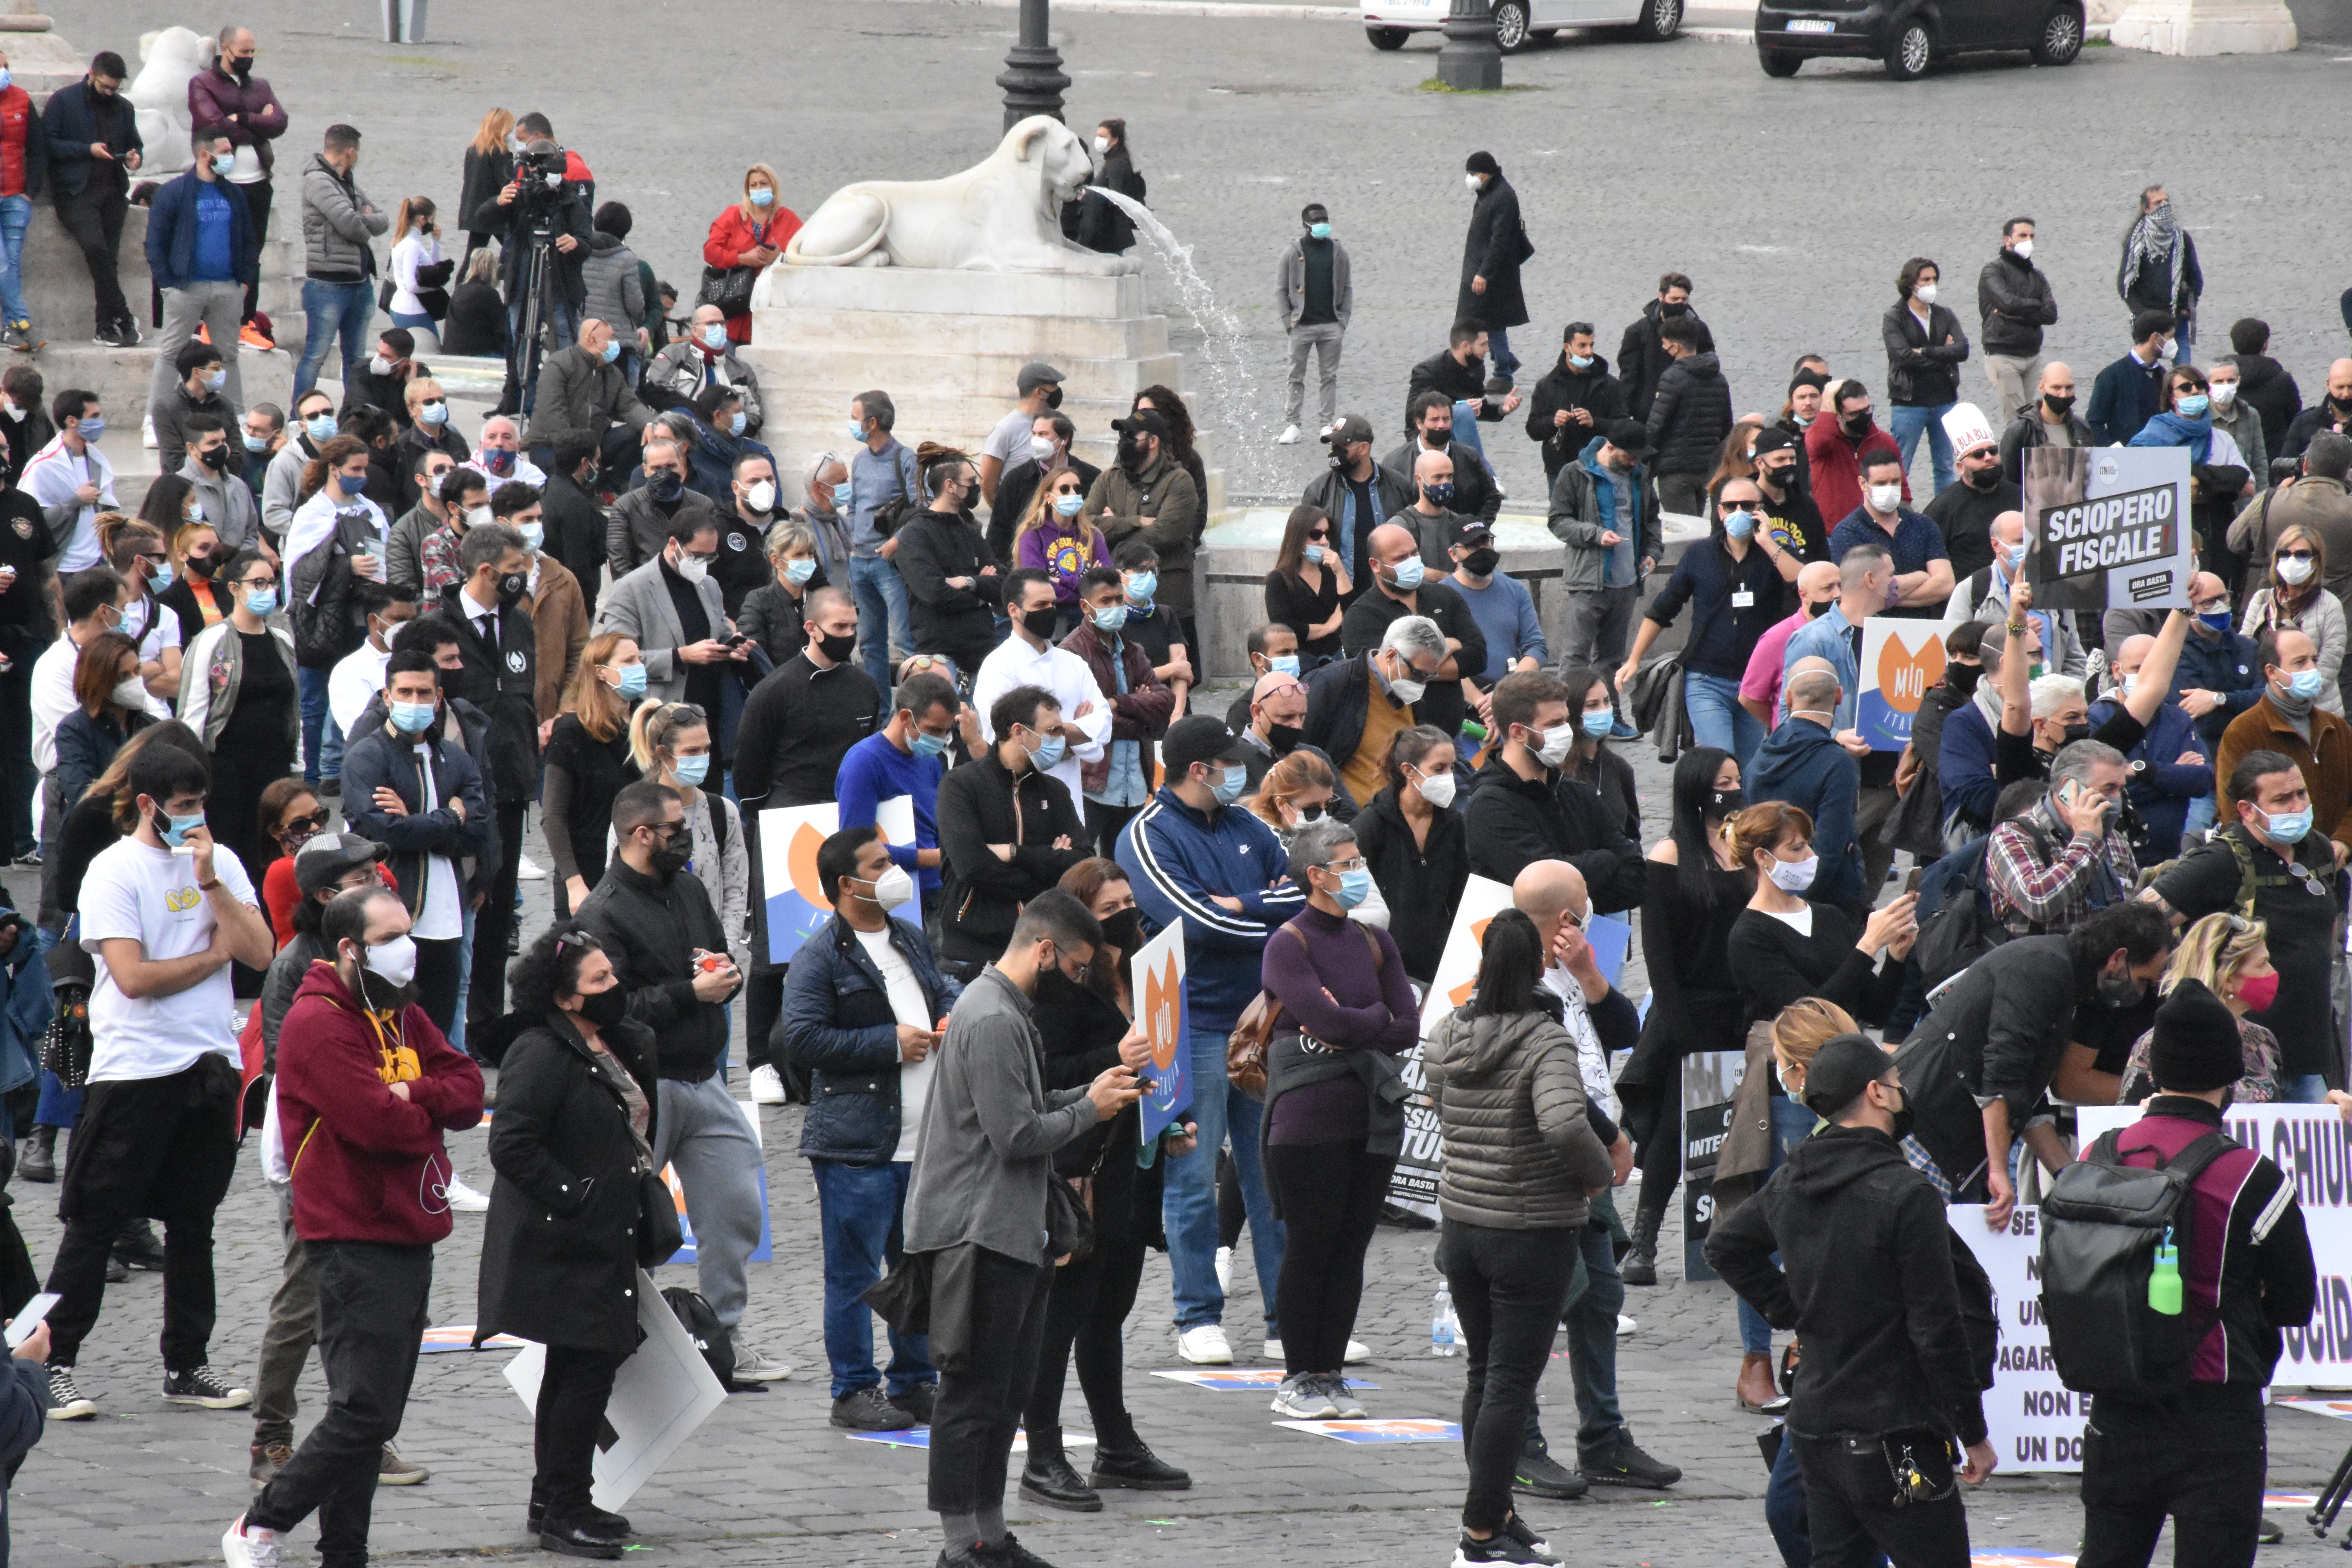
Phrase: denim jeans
[882,627]
[1465,426]
[1189,1209]
[1908,423]
[1499,357]
[322,738]
[329,309]
[465,982]
[1791,1125]
[16,216]
[1592,1318]
[559,320]
[1717,720]
[859,1208]
[2301,1089]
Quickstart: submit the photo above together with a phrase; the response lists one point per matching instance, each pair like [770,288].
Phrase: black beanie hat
[2196,1048]
[1482,164]
[1841,1070]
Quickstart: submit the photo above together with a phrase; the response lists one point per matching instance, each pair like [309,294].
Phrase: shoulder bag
[1245,1046]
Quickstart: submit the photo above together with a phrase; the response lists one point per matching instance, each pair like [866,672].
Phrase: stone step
[1055,339]
[906,290]
[981,377]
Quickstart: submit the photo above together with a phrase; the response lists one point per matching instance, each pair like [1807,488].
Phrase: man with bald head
[582,395]
[1759,688]
[2285,719]
[2050,420]
[1402,583]
[2171,783]
[1474,491]
[1985,597]
[2332,413]
[1553,893]
[1277,715]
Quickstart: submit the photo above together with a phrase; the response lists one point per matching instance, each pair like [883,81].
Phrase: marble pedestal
[2204,27]
[947,347]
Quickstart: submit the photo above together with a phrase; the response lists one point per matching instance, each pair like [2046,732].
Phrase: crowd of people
[273,738]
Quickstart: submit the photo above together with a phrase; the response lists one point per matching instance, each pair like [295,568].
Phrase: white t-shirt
[355,681]
[1798,921]
[1009,442]
[442,917]
[155,627]
[151,896]
[906,993]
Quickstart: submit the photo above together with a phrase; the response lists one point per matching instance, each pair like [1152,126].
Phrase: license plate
[1807,24]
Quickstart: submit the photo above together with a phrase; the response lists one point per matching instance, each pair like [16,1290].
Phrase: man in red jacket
[1834,449]
[22,164]
[365,1086]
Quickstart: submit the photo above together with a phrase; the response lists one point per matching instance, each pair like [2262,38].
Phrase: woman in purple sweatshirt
[1334,1109]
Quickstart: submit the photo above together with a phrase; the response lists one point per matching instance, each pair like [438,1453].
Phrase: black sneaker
[137,1244]
[66,1401]
[1540,1475]
[1500,1547]
[918,1401]
[1054,1483]
[867,1410]
[30,860]
[1517,1528]
[198,1386]
[1624,1465]
[1137,1469]
[1010,1552]
[116,1272]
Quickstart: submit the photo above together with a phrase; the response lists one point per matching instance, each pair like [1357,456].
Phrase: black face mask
[838,648]
[1963,677]
[511,588]
[1053,398]
[606,1009]
[666,486]
[214,458]
[1284,738]
[1981,480]
[1778,478]
[199,567]
[1482,563]
[2072,734]
[1854,424]
[1124,931]
[1815,612]
[241,69]
[2056,405]
[1725,803]
[1130,454]
[1667,310]
[1040,624]
[2120,990]
[672,857]
[1903,1119]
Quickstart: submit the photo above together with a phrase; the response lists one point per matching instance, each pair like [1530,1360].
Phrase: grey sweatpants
[702,1134]
[219,306]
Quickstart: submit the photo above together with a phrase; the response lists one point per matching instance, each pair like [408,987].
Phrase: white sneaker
[1301,1398]
[1348,1407]
[529,870]
[1289,437]
[247,1545]
[754,1364]
[1204,1345]
[1625,1325]
[767,1086]
[1224,1271]
[463,1198]
[147,431]
[1272,1350]
[1357,1353]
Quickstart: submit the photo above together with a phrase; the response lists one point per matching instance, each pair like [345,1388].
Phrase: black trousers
[979,1406]
[371,1311]
[160,1147]
[1330,1197]
[437,974]
[1232,1212]
[1509,1287]
[1105,823]
[94,218]
[763,1006]
[257,203]
[18,779]
[1850,1502]
[573,1393]
[2202,1462]
[493,923]
[1084,1312]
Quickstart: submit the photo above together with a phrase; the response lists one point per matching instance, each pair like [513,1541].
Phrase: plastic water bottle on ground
[1444,1328]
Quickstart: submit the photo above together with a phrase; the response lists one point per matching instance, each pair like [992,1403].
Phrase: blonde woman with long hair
[1057,537]
[588,762]
[490,166]
[2294,597]
[671,743]
[750,233]
[2231,956]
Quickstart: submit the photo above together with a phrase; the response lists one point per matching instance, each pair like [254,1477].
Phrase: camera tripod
[2332,1499]
[532,282]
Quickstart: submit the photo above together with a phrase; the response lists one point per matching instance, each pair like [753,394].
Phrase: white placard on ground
[2033,1420]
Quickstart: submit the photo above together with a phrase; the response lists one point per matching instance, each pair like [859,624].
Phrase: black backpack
[1965,927]
[709,1336]
[2102,1223]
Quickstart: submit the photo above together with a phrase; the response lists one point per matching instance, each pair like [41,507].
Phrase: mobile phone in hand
[20,1329]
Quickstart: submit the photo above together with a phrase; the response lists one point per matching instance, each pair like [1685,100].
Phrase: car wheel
[1387,37]
[1778,62]
[1911,52]
[1661,20]
[2061,38]
[1510,26]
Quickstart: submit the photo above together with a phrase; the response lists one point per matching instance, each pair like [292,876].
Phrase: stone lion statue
[169,61]
[1002,214]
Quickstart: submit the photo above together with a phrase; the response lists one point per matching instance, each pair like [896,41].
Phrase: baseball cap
[1474,533]
[328,858]
[1038,373]
[1841,1070]
[1346,431]
[1198,738]
[1142,422]
[1772,439]
[1630,437]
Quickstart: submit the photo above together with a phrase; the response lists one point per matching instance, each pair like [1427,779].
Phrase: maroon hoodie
[368,1165]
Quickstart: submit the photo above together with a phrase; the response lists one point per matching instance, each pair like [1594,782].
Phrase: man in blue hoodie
[1193,857]
[1807,764]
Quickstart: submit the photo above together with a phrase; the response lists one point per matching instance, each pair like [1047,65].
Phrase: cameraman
[539,206]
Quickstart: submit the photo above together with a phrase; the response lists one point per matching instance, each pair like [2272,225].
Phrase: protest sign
[2107,526]
[793,901]
[1710,1080]
[1157,981]
[1413,1184]
[2033,1420]
[1407,1430]
[1901,661]
[662,1392]
[2310,1143]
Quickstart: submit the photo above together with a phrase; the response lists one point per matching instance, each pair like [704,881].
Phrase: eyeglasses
[258,583]
[1341,867]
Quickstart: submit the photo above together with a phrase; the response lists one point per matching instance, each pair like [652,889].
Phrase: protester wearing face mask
[953,586]
[203,248]
[2240,420]
[1092,221]
[588,762]
[358,679]
[688,654]
[1356,705]
[1474,492]
[1524,808]
[1604,510]
[2172,785]
[426,542]
[705,357]
[1117,783]
[1008,828]
[1500,603]
[425,428]
[566,1281]
[2160,270]
[2049,420]
[1809,762]
[1922,563]
[1046,450]
[1837,445]
[1984,596]
[1924,346]
[2219,477]
[1295,790]
[191,387]
[338,539]
[1817,588]
[1786,944]
[661,927]
[1274,711]
[2295,597]
[2047,869]
[2287,718]
[904,757]
[1577,399]
[863,1013]
[551,596]
[1314,283]
[671,743]
[1415,841]
[1736,594]
[2229,955]
[1308,590]
[1056,537]
[237,690]
[1981,491]
[1641,358]
[747,238]
[776,617]
[1147,496]
[1404,587]
[110,706]
[135,551]
[2000,1038]
[2014,303]
[314,425]
[2131,391]
[583,396]
[98,129]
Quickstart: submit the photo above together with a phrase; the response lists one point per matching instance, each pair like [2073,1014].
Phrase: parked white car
[1388,22]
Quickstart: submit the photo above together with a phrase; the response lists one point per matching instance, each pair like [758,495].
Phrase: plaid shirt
[2033,893]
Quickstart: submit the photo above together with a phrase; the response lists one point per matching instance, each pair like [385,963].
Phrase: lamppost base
[1469,60]
[1034,83]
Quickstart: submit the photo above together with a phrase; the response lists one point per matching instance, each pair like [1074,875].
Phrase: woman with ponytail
[670,744]
[588,764]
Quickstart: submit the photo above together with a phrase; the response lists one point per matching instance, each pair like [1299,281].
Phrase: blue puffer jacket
[1800,764]
[839,1025]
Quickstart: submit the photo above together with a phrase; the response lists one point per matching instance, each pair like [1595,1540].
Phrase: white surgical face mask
[1437,789]
[131,692]
[693,568]
[1794,875]
[2171,348]
[380,365]
[1885,498]
[1102,144]
[1408,692]
[393,961]
[893,888]
[761,495]
[1925,293]
[2224,392]
[478,517]
[2023,249]
[1558,742]
[2293,569]
[1471,181]
[1040,449]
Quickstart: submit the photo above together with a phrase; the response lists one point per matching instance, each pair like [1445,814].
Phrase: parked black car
[1911,36]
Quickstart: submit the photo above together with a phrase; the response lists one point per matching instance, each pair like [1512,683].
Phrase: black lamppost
[1468,60]
[1032,79]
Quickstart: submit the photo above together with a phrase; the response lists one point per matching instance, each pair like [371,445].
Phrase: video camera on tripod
[541,193]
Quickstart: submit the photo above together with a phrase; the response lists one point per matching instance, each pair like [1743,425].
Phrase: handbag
[659,1235]
[728,287]
[1070,1222]
[1245,1048]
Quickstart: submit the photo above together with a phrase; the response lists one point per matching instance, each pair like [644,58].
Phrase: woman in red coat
[753,233]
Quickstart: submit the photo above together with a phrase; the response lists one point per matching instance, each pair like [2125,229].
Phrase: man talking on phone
[673,609]
[655,919]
